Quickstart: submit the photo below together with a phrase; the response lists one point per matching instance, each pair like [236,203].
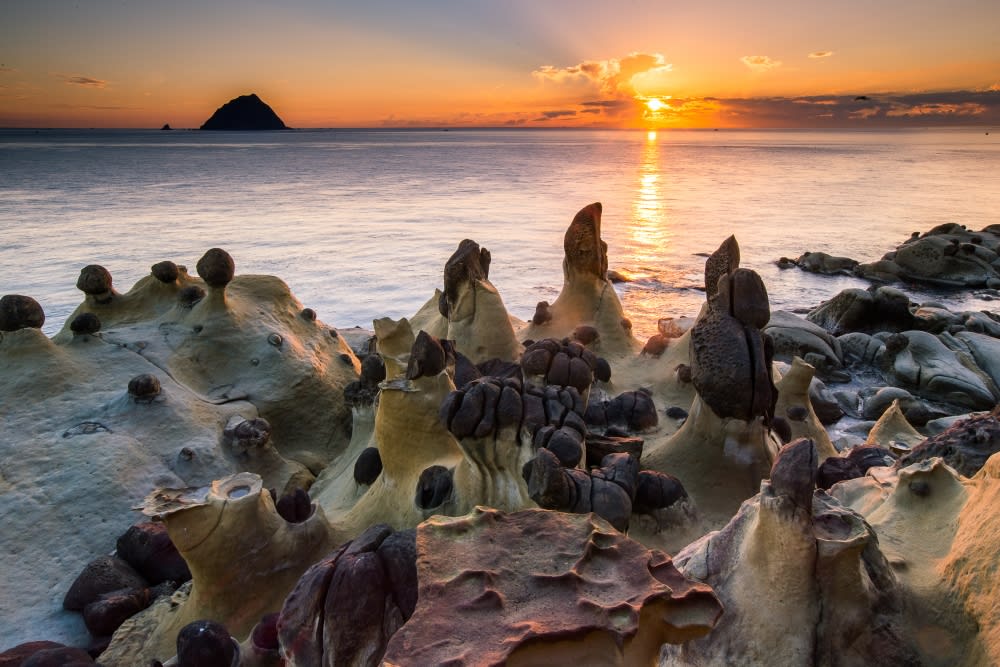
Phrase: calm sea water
[360,223]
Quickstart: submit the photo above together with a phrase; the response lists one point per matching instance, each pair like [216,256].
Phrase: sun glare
[655,104]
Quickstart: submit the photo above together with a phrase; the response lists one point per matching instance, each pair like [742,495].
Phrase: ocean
[360,223]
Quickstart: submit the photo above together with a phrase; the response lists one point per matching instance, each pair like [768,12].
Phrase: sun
[655,104]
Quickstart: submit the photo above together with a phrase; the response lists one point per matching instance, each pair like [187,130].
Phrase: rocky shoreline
[746,487]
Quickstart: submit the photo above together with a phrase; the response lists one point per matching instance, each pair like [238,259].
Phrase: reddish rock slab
[531,586]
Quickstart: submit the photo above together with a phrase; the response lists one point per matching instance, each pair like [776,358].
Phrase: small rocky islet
[198,471]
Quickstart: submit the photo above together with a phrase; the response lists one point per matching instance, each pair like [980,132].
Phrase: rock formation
[587,296]
[246,112]
[538,587]
[470,311]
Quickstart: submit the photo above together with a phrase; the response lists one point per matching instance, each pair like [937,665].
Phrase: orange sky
[516,63]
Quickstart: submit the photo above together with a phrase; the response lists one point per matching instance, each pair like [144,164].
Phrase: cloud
[83,81]
[937,109]
[821,54]
[612,77]
[874,110]
[4,69]
[760,63]
[561,113]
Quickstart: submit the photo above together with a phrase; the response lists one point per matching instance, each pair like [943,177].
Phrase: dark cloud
[609,104]
[871,110]
[561,113]
[84,81]
[821,54]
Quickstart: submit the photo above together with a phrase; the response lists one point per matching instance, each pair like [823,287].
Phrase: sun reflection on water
[649,232]
[647,240]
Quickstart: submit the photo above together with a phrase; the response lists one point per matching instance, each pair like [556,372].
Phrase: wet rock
[20,312]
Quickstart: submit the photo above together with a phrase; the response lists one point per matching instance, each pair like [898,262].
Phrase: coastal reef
[198,471]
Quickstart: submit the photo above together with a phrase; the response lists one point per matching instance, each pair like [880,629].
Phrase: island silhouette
[246,112]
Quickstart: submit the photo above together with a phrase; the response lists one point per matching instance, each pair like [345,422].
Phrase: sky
[503,63]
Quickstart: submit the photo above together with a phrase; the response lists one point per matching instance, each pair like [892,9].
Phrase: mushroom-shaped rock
[216,267]
[587,297]
[165,272]
[831,596]
[470,311]
[20,312]
[234,541]
[539,587]
[95,281]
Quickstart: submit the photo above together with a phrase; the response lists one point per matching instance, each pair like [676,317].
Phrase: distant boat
[166,126]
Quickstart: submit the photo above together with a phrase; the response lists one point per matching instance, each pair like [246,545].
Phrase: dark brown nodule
[542,313]
[94,279]
[85,323]
[165,272]
[216,267]
[190,295]
[308,314]
[205,644]
[20,312]
[144,388]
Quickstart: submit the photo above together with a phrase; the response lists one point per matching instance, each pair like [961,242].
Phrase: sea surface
[360,223]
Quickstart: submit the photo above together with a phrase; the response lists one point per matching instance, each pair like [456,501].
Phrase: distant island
[246,112]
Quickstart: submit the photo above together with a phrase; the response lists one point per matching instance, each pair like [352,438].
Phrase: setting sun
[655,104]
